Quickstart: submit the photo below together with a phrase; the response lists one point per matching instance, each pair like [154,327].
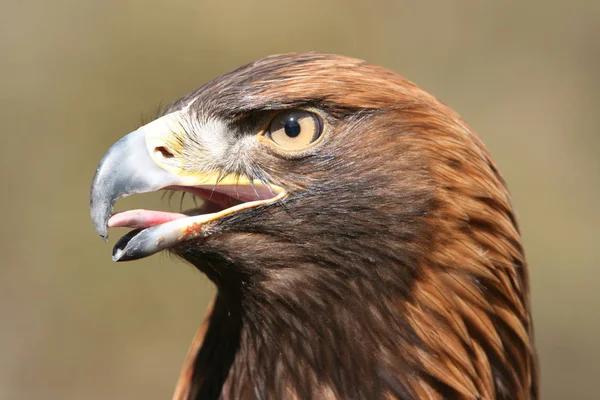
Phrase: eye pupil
[292,127]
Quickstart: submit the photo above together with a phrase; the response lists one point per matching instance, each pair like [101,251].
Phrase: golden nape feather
[360,236]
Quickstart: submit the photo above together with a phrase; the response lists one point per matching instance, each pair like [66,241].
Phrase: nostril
[166,153]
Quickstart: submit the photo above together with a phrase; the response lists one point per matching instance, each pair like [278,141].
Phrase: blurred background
[77,75]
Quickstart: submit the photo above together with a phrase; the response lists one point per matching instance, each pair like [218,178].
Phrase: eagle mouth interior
[157,230]
[212,202]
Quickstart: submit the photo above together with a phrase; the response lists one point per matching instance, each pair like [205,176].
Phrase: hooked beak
[150,159]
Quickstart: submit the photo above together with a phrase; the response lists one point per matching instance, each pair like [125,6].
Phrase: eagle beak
[150,159]
[125,169]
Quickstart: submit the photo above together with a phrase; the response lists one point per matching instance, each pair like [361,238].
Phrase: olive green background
[77,75]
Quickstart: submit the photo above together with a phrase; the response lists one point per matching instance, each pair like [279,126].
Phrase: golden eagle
[360,236]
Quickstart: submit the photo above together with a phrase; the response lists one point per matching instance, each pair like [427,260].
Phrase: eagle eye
[295,129]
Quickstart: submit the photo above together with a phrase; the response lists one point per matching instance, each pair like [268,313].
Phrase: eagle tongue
[142,218]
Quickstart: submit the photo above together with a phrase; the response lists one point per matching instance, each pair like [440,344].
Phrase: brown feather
[182,387]
[394,270]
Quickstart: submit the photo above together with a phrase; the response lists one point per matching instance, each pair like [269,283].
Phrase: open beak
[150,159]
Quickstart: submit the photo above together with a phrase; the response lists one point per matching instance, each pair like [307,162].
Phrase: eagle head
[360,236]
